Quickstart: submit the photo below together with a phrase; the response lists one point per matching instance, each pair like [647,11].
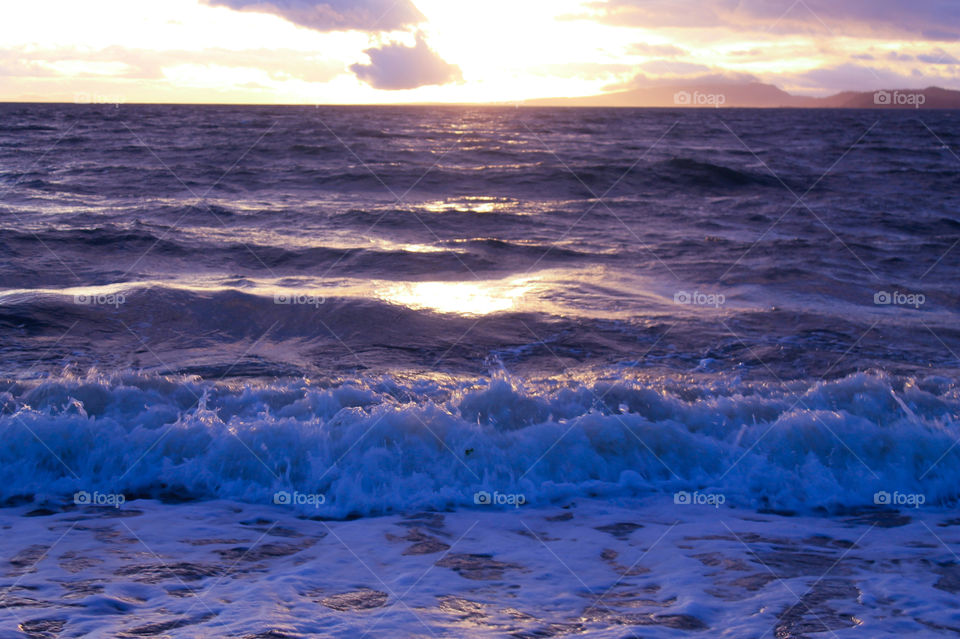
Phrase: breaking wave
[388,444]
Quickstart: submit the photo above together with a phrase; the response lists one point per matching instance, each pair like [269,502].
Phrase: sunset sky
[376,51]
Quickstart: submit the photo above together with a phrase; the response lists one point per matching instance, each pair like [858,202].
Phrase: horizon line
[501,105]
[100,100]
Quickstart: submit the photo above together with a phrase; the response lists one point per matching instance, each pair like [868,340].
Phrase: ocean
[478,371]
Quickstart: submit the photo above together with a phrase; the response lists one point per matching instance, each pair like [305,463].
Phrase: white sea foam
[381,445]
[601,568]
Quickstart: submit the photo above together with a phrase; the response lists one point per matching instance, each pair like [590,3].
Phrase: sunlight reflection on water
[462,298]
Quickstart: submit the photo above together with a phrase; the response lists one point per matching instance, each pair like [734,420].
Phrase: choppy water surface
[438,238]
[578,335]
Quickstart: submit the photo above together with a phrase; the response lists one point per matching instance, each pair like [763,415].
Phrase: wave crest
[383,444]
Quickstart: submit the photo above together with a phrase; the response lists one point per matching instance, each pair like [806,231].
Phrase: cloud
[582,70]
[929,19]
[643,81]
[395,66]
[656,50]
[748,53]
[140,64]
[938,57]
[335,15]
[896,56]
[853,77]
[673,67]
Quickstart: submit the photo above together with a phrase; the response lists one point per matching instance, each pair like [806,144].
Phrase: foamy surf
[602,568]
[378,445]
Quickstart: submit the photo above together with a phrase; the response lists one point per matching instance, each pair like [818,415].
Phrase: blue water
[397,307]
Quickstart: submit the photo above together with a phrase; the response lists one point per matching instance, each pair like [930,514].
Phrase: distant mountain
[929,98]
[761,96]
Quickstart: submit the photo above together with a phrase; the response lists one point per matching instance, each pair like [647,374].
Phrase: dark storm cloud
[335,15]
[395,66]
[928,19]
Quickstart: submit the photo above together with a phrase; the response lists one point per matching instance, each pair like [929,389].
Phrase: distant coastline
[758,95]
[753,95]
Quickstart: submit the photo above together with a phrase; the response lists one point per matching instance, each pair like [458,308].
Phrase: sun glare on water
[461,298]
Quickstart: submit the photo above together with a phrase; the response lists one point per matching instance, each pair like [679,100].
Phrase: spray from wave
[387,444]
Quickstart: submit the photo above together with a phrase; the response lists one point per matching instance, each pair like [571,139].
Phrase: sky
[508,51]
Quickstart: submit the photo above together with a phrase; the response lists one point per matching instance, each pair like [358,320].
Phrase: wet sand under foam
[647,568]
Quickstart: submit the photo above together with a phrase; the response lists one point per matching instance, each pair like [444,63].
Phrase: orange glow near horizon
[503,51]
